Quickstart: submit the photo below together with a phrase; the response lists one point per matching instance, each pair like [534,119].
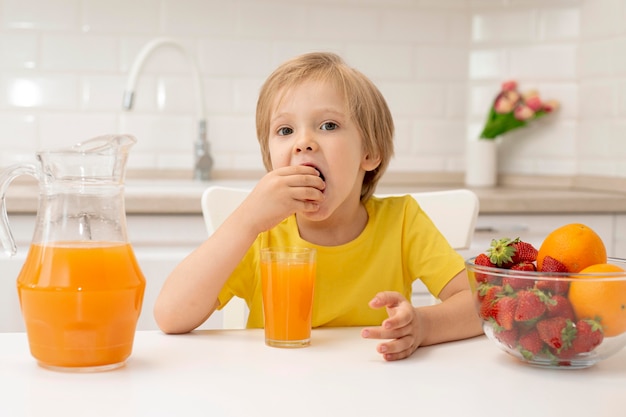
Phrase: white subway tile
[443,138]
[249,161]
[18,51]
[272,20]
[233,134]
[51,91]
[556,62]
[600,99]
[456,101]
[441,63]
[50,15]
[235,58]
[619,55]
[206,17]
[503,26]
[60,130]
[19,132]
[416,26]
[487,64]
[79,52]
[244,96]
[600,18]
[137,16]
[102,92]
[596,58]
[403,135]
[559,23]
[323,23]
[385,61]
[160,132]
[177,95]
[409,99]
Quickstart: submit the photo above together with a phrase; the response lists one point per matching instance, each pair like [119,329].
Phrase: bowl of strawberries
[549,307]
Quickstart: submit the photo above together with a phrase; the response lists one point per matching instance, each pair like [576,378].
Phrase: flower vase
[481,169]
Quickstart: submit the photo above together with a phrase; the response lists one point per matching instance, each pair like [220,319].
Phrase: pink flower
[523,112]
[509,85]
[534,103]
[511,110]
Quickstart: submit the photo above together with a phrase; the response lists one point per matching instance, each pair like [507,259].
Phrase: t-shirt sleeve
[430,256]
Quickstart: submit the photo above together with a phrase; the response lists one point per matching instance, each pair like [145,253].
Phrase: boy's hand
[401,327]
[282,192]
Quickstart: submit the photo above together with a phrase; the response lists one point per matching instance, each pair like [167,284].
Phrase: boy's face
[311,126]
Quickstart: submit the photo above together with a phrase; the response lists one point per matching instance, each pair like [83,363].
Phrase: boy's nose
[305,143]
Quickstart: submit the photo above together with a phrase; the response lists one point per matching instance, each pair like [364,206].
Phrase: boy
[326,135]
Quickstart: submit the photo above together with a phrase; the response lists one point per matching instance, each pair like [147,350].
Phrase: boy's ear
[369,162]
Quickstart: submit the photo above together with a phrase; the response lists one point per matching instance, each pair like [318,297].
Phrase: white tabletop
[232,373]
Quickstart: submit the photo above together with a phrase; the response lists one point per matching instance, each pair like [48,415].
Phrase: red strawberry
[505,253]
[556,332]
[489,296]
[553,284]
[588,336]
[507,337]
[530,305]
[483,260]
[530,344]
[559,305]
[519,283]
[524,251]
[503,312]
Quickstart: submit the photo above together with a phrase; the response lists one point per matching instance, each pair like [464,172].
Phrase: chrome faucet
[203,162]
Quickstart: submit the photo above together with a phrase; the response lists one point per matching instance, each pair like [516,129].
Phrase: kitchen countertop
[181,196]
[232,373]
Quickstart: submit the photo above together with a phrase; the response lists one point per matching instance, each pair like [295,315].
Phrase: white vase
[481,163]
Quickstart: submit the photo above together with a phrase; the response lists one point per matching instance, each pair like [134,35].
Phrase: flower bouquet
[511,110]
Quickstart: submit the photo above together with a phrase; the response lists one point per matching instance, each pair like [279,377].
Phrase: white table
[232,373]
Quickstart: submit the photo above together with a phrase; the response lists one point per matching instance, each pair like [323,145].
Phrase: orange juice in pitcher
[80,289]
[81,303]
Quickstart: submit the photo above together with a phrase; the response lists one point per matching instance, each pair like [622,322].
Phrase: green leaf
[498,124]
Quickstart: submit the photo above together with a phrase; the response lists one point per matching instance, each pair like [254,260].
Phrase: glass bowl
[550,319]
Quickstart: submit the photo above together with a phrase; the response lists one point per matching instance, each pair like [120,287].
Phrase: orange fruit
[574,245]
[601,299]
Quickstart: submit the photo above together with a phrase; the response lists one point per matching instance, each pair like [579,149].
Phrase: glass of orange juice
[288,280]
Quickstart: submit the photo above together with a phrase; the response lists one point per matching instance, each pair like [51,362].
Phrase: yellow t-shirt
[398,245]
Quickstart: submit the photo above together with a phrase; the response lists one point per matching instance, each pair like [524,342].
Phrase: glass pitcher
[80,289]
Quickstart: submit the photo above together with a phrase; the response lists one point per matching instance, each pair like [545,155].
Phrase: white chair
[454,212]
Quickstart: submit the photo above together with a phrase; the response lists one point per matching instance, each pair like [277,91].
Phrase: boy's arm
[189,294]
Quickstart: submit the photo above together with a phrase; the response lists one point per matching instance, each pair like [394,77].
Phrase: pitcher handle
[8,175]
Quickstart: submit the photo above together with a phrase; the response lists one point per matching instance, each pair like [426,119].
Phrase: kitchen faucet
[203,162]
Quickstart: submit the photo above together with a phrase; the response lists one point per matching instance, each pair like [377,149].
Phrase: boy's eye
[283,131]
[329,126]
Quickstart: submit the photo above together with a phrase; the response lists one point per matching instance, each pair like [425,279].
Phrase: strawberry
[505,253]
[556,332]
[553,284]
[507,337]
[550,264]
[524,252]
[530,305]
[489,296]
[588,336]
[503,312]
[559,305]
[483,260]
[530,344]
[518,283]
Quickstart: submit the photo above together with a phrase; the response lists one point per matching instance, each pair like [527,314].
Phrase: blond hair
[366,106]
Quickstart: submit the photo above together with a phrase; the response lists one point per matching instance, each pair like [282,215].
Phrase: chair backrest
[454,212]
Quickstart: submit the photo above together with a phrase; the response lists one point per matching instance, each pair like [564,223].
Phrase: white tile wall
[63,68]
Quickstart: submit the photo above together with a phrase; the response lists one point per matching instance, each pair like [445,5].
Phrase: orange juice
[80,302]
[288,299]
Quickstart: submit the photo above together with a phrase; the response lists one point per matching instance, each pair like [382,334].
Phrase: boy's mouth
[321,175]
